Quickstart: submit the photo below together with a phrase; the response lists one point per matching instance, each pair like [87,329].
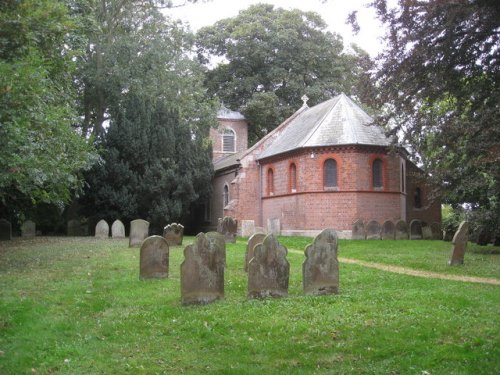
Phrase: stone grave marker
[139,230]
[268,270]
[102,229]
[174,234]
[154,258]
[117,229]
[426,231]
[228,227]
[28,229]
[373,230]
[459,244]
[415,230]
[5,230]
[247,228]
[320,269]
[437,233]
[388,230]
[260,230]
[358,230]
[202,271]
[274,226]
[401,230]
[253,241]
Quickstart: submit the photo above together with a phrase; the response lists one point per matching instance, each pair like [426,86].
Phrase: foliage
[41,156]
[77,306]
[440,84]
[154,167]
[451,218]
[271,58]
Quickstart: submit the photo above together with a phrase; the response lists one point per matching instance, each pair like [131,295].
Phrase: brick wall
[240,128]
[430,209]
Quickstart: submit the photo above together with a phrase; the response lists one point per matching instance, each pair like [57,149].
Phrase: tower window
[228,143]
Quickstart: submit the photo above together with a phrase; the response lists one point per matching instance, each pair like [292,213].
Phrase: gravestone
[320,269]
[5,230]
[247,228]
[260,230]
[174,234]
[102,229]
[268,270]
[358,230]
[415,230]
[28,229]
[426,231]
[228,227]
[139,230]
[253,241]
[388,230]
[154,258]
[373,230]
[202,271]
[274,226]
[459,244]
[117,229]
[401,230]
[437,233]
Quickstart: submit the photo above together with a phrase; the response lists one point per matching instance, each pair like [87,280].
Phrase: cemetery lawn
[77,306]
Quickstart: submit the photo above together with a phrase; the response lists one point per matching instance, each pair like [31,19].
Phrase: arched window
[377,173]
[228,143]
[418,198]
[403,177]
[270,182]
[293,178]
[330,173]
[226,195]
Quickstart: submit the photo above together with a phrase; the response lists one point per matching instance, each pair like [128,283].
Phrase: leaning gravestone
[28,229]
[320,269]
[174,234]
[426,231]
[202,271]
[154,258]
[459,244]
[401,230]
[117,229]
[274,226]
[437,233]
[373,230]
[139,230]
[247,228]
[253,241]
[228,227]
[102,229]
[358,230]
[388,231]
[268,270]
[5,230]
[415,230]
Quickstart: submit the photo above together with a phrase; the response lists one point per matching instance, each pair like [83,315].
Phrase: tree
[271,58]
[440,85]
[41,155]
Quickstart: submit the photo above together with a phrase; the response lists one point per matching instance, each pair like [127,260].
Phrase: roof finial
[304,99]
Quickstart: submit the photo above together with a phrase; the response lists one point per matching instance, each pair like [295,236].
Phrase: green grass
[77,306]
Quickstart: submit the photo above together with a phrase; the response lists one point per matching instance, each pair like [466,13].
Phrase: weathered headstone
[426,231]
[154,258]
[174,234]
[459,244]
[260,230]
[373,230]
[437,233]
[320,269]
[401,230]
[268,270]
[253,241]
[202,271]
[358,230]
[388,230]
[28,229]
[5,230]
[274,226]
[228,227]
[247,228]
[139,230]
[415,230]
[102,229]
[117,229]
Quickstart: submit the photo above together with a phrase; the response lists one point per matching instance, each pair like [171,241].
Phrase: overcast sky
[334,12]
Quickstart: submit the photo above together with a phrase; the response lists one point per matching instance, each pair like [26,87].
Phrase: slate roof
[338,121]
[228,161]
[226,113]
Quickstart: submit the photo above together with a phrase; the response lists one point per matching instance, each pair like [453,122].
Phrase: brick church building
[324,167]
